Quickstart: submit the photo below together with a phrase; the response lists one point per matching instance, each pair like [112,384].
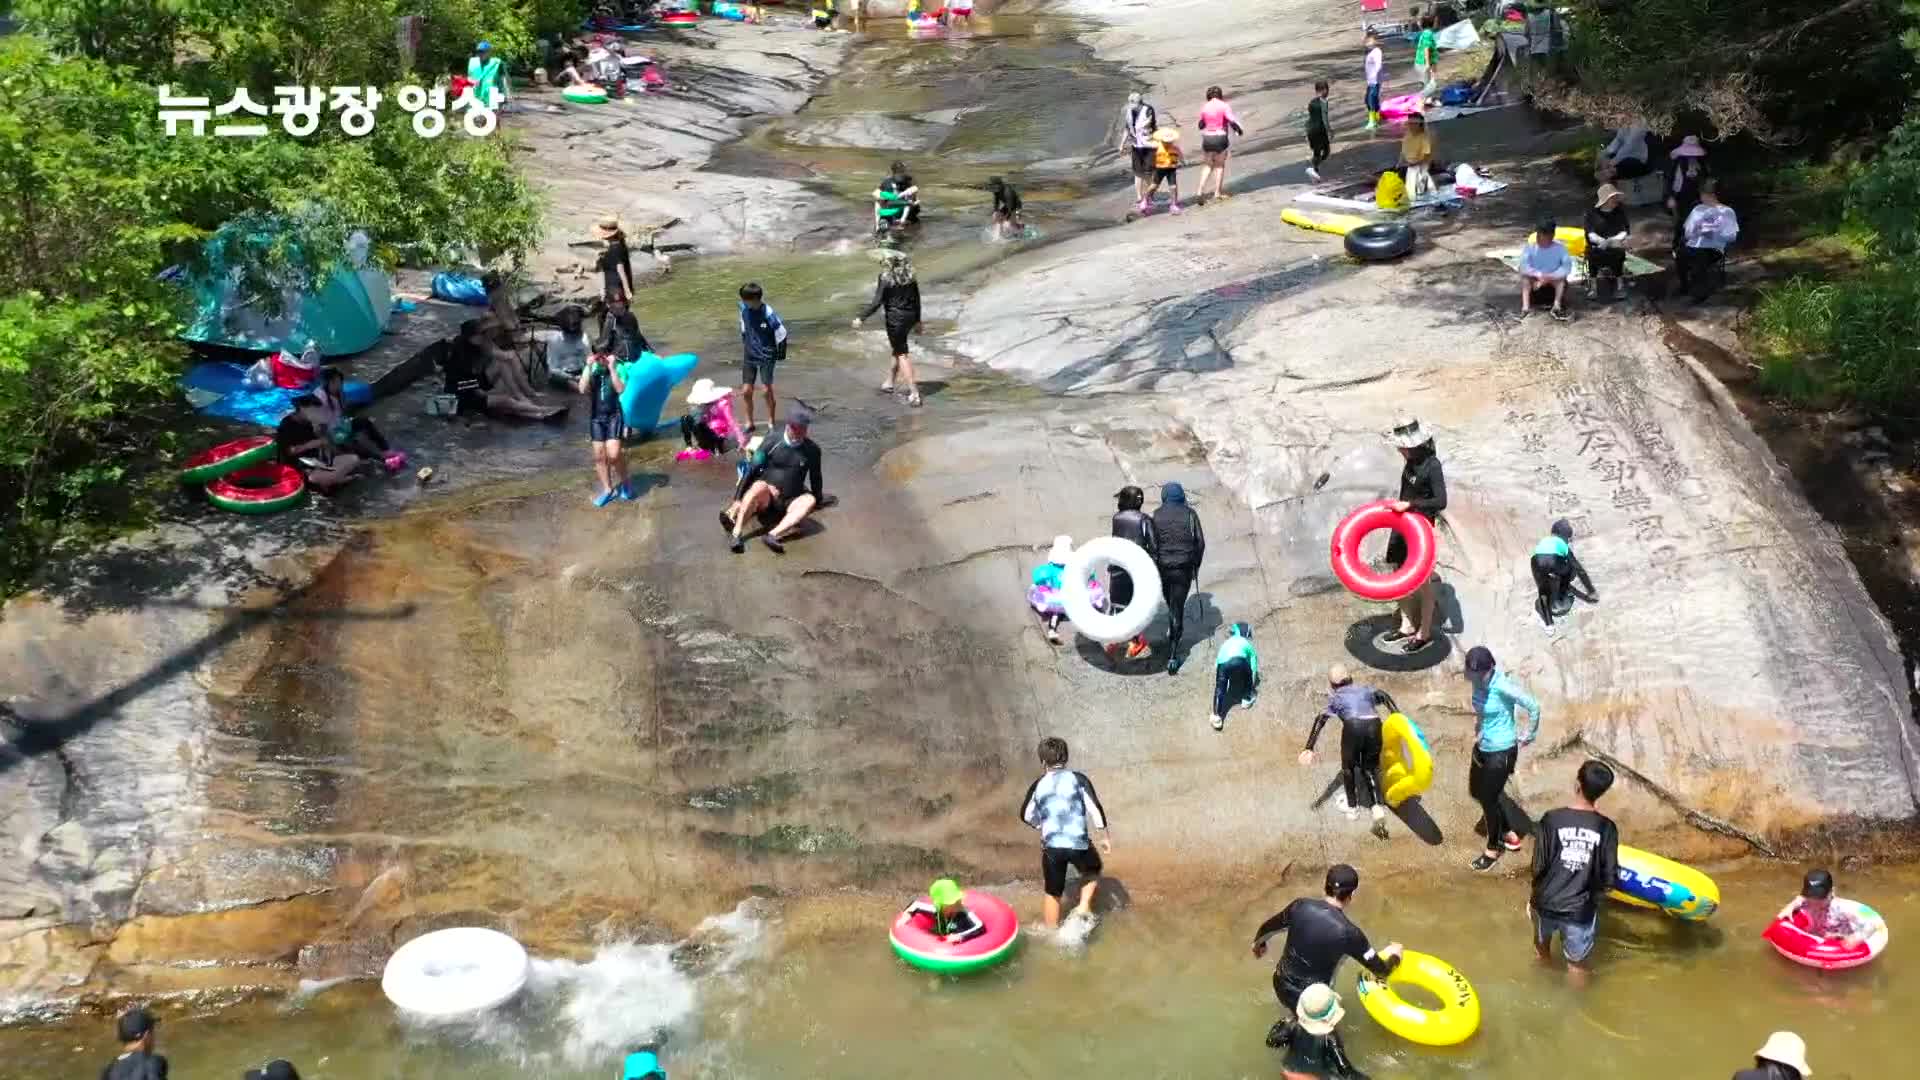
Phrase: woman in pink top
[1216,117]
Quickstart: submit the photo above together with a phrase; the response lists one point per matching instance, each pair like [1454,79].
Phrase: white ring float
[466,969]
[1090,558]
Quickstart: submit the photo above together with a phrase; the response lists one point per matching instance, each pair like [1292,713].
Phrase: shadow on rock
[1413,814]
[1365,642]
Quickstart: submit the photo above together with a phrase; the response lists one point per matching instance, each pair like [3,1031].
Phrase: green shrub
[1857,339]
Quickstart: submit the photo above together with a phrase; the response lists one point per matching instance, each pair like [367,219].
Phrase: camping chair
[1380,25]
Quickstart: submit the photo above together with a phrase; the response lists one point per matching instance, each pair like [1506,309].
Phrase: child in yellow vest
[1166,164]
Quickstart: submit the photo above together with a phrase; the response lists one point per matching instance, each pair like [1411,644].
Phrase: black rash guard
[1318,1055]
[1318,935]
[1576,855]
[787,467]
[963,923]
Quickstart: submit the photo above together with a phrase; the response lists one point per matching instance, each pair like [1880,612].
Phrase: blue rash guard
[1494,702]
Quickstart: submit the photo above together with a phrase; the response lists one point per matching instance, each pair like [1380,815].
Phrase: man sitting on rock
[782,485]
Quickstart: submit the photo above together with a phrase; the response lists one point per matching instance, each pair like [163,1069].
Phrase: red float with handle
[1354,573]
[258,489]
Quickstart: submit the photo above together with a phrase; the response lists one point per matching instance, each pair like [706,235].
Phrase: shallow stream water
[521,747]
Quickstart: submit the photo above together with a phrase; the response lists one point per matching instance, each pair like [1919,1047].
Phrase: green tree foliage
[1782,71]
[96,200]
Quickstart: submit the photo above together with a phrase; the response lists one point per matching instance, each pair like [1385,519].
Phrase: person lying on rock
[1554,568]
[470,364]
[782,485]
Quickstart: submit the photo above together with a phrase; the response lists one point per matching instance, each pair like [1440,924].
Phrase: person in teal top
[490,79]
[1496,748]
[1423,49]
[1236,674]
[1554,568]
[643,1064]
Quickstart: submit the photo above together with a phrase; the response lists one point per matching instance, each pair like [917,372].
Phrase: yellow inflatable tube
[1454,1022]
[1337,224]
[1406,764]
[1650,881]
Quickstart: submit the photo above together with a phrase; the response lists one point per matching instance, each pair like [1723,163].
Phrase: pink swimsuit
[1215,115]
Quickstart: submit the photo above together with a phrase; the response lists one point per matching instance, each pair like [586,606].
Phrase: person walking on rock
[1319,133]
[1375,67]
[1423,490]
[1062,806]
[1360,743]
[1218,125]
[1130,523]
[1236,674]
[1182,547]
[1138,122]
[1576,854]
[1319,936]
[1496,750]
[898,291]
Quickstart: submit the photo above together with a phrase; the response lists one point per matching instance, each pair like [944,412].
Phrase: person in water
[137,1061]
[764,340]
[1360,743]
[1782,1057]
[897,199]
[945,909]
[1130,523]
[1496,749]
[1216,120]
[708,423]
[1006,208]
[782,485]
[602,384]
[1319,936]
[1423,490]
[1554,568]
[1576,856]
[897,291]
[278,1069]
[1236,674]
[1062,806]
[1181,545]
[1314,1050]
[643,1063]
[1813,911]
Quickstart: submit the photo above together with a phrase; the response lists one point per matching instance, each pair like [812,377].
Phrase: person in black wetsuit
[1554,568]
[620,334]
[1360,743]
[1182,544]
[1319,935]
[1130,522]
[1006,208]
[137,1061]
[898,291]
[1423,490]
[1314,1050]
[782,485]
[896,200]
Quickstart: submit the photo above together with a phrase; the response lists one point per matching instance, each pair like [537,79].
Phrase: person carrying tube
[1130,523]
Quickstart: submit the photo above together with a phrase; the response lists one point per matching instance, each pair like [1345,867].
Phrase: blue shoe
[603,498]
[625,491]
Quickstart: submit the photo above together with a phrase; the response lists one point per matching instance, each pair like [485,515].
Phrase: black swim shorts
[1054,862]
[897,338]
[607,428]
[1143,161]
[1214,144]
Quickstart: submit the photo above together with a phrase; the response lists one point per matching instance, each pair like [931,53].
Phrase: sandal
[913,399]
[1484,862]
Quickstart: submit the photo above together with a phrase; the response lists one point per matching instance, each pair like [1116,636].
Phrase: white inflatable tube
[1089,559]
[466,969]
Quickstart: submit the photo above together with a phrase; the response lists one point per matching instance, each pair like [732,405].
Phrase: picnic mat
[1636,266]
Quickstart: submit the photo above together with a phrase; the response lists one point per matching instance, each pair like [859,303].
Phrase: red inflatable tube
[1413,528]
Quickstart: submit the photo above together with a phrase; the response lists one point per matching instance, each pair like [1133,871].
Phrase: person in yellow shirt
[1416,155]
[1166,165]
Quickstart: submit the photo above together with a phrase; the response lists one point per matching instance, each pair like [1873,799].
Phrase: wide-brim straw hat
[1408,433]
[1689,147]
[1319,1010]
[1788,1049]
[1062,550]
[1607,191]
[704,392]
[1166,133]
[607,226]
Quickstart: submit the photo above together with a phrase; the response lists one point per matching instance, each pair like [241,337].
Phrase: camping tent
[346,315]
